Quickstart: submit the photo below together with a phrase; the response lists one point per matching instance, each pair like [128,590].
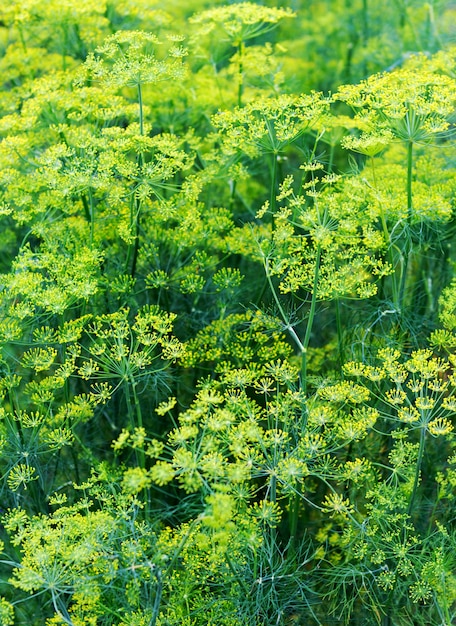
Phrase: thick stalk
[294,503]
[134,416]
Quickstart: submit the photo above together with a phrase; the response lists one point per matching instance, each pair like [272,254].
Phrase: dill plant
[239,25]
[216,405]
[413,108]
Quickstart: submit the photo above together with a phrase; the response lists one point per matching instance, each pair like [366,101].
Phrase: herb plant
[228,314]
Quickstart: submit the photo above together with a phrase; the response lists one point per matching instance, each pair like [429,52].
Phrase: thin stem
[139,420]
[365,20]
[141,112]
[238,579]
[284,316]
[293,522]
[135,213]
[433,37]
[273,191]
[419,462]
[92,215]
[409,181]
[240,73]
[407,246]
[310,321]
[22,38]
[89,212]
[273,492]
[332,148]
[294,512]
[135,416]
[136,219]
[157,599]
[387,236]
[65,46]
[340,337]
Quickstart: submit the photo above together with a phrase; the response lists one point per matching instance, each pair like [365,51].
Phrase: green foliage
[227,324]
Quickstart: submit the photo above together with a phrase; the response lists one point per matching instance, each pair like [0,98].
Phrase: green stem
[294,508]
[340,337]
[238,579]
[407,246]
[416,480]
[273,192]
[92,216]
[310,321]
[135,213]
[139,420]
[134,416]
[273,492]
[288,326]
[387,237]
[158,597]
[136,219]
[240,73]
[14,424]
[332,148]
[365,20]
[293,523]
[141,111]
[433,37]
[409,181]
[22,38]
[89,212]
[65,46]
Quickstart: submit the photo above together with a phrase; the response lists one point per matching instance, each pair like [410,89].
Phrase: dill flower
[166,406]
[396,396]
[135,479]
[449,403]
[424,403]
[408,415]
[440,426]
[336,505]
[6,613]
[20,475]
[162,473]
[411,104]
[267,512]
[240,22]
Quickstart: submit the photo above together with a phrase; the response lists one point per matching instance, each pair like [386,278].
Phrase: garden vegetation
[227,313]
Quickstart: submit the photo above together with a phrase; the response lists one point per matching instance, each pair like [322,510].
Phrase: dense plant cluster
[228,313]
